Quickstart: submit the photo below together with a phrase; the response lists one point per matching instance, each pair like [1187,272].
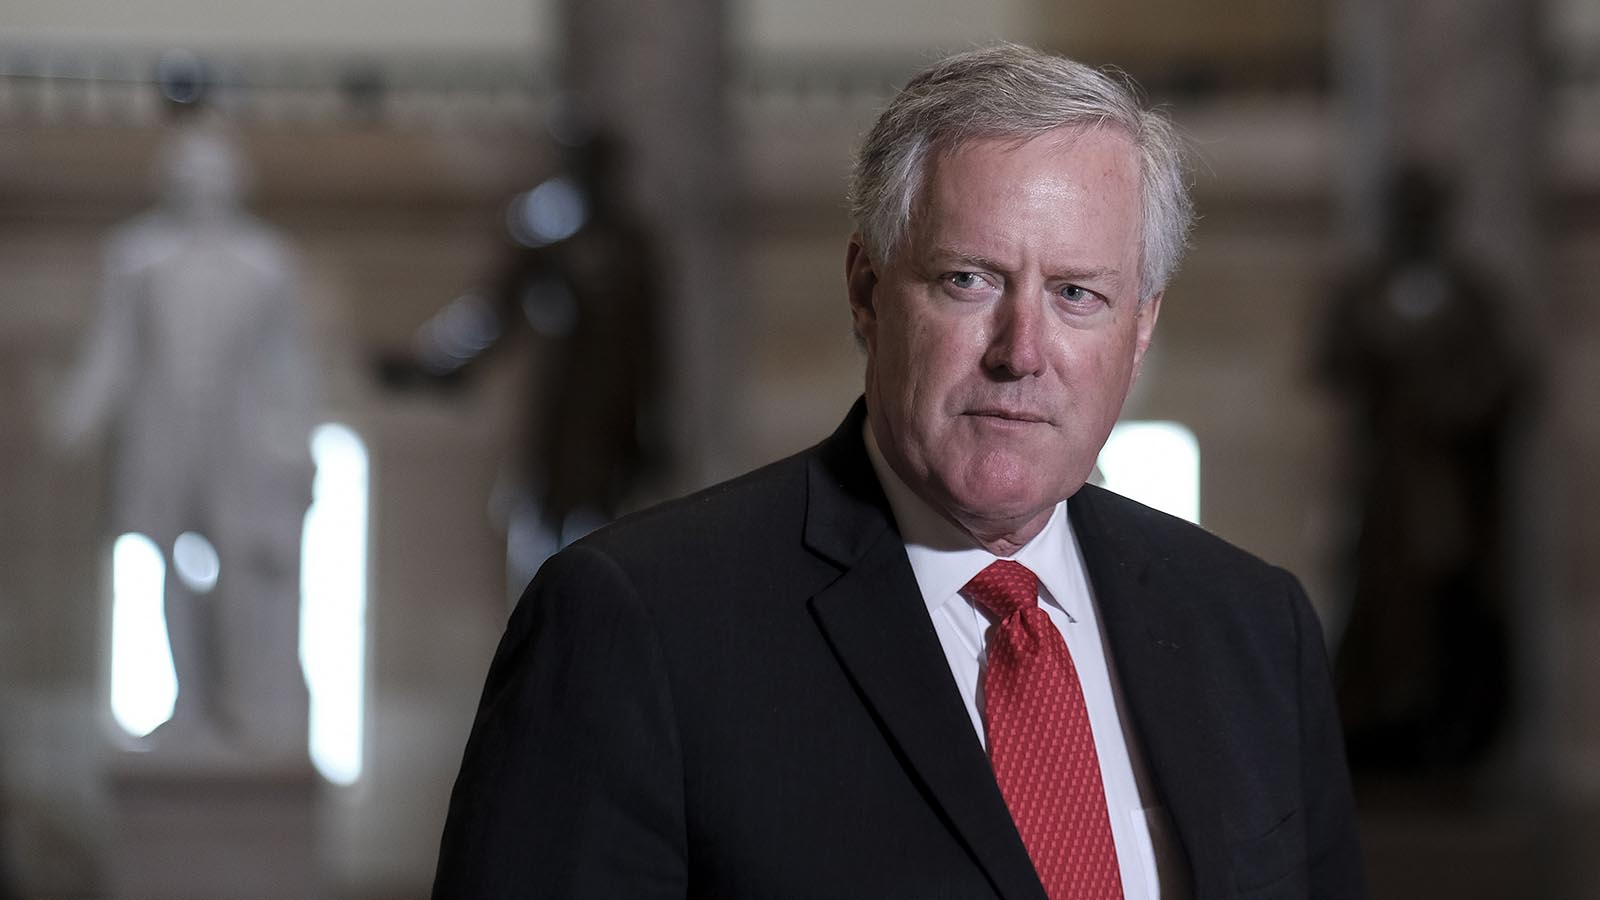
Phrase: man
[922,659]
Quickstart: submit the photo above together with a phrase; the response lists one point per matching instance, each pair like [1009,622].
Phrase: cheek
[905,350]
[925,361]
[1111,377]
[936,371]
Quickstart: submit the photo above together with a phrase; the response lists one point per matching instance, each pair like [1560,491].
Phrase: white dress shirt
[944,559]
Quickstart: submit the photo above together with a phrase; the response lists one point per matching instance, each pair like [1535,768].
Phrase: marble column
[654,73]
[1458,85]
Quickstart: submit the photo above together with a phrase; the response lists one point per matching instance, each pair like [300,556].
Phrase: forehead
[1104,155]
[1074,188]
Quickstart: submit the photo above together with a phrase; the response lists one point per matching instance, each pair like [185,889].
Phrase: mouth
[1005,415]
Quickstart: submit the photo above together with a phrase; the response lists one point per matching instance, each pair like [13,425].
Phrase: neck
[1003,538]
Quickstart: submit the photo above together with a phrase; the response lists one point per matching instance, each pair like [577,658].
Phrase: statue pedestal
[201,829]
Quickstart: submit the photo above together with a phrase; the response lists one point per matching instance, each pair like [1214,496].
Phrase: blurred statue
[582,273]
[1416,345]
[196,366]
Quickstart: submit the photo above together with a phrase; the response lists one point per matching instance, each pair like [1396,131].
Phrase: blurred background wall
[387,138]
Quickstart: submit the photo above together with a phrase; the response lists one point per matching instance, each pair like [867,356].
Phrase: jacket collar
[874,619]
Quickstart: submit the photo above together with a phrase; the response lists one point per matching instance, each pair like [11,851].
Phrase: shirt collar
[944,558]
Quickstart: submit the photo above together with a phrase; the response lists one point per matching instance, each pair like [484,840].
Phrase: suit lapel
[875,621]
[1160,681]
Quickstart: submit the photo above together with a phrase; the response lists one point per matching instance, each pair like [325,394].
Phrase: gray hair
[1010,91]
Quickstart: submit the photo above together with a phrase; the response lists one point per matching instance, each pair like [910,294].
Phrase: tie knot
[1004,587]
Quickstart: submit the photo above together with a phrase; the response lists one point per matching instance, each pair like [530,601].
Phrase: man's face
[1003,338]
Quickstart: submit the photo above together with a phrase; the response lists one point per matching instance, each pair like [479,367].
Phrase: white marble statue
[196,367]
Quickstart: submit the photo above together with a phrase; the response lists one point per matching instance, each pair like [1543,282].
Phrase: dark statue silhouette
[1416,346]
[582,275]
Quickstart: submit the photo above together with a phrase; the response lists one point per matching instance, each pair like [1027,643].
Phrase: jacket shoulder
[742,537]
[1117,521]
[724,515]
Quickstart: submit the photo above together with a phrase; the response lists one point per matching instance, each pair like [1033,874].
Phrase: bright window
[1155,463]
[333,593]
[143,684]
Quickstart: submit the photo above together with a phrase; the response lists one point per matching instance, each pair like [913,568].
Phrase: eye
[1074,294]
[966,281]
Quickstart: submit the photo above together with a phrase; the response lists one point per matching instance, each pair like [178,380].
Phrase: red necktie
[1040,742]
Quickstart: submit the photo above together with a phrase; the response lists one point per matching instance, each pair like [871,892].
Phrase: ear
[1145,328]
[861,281]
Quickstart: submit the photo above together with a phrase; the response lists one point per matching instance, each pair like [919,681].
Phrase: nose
[1016,341]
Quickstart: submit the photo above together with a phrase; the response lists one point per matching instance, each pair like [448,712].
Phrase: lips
[1010,415]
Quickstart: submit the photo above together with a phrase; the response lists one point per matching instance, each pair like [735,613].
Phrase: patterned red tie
[1040,742]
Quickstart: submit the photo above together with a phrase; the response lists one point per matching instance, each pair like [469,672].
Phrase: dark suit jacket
[740,695]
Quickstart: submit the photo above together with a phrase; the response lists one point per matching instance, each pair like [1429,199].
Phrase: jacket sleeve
[1333,850]
[571,785]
